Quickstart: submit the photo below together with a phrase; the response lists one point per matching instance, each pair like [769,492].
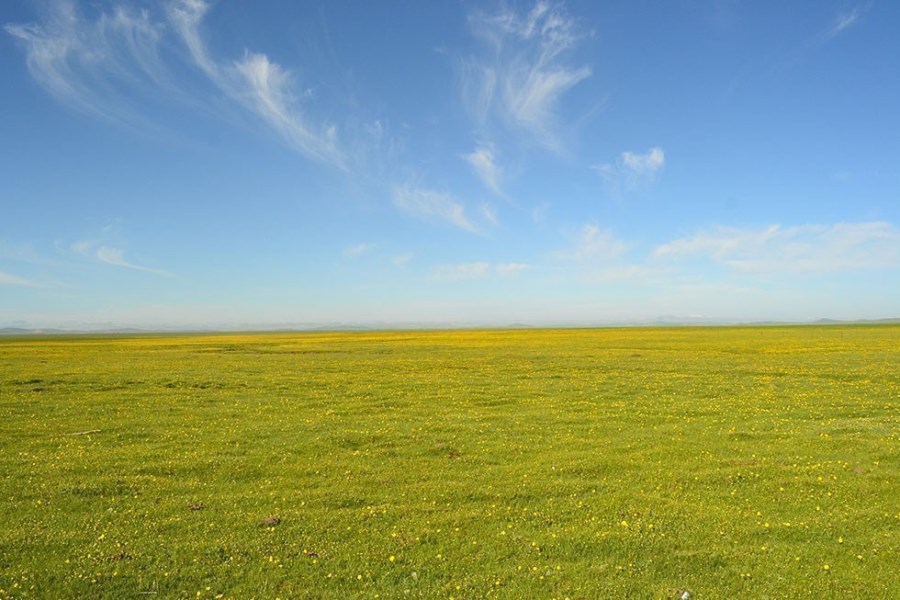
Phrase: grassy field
[609,463]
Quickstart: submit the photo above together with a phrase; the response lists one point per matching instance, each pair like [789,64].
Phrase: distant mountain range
[668,321]
[51,331]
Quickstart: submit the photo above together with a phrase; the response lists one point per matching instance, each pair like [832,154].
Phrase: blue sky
[244,163]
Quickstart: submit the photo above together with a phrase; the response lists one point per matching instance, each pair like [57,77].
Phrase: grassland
[621,463]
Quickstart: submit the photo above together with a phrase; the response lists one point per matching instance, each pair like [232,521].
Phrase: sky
[246,163]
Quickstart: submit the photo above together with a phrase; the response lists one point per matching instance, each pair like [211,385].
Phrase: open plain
[750,462]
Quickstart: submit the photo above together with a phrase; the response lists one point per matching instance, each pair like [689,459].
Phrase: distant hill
[858,321]
[23,331]
[665,321]
[9,331]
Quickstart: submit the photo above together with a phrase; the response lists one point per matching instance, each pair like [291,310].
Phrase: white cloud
[483,162]
[625,273]
[476,270]
[112,256]
[511,269]
[266,93]
[802,249]
[634,170]
[402,259]
[186,17]
[7,279]
[644,165]
[260,85]
[846,19]
[461,272]
[357,250]
[113,67]
[591,243]
[489,214]
[84,247]
[430,205]
[94,66]
[524,75]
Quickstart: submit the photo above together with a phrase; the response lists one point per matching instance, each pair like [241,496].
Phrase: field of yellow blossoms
[755,462]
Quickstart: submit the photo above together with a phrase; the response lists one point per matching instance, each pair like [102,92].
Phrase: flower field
[715,462]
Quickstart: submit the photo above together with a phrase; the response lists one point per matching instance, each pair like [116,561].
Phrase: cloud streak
[523,75]
[258,84]
[476,271]
[802,249]
[847,19]
[96,67]
[483,163]
[115,67]
[633,170]
[265,90]
[357,250]
[511,269]
[432,206]
[594,244]
[186,17]
[113,256]
[8,279]
[461,272]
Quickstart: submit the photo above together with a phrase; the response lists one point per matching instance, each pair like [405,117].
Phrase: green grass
[618,463]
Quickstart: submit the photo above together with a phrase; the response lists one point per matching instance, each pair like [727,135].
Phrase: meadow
[752,462]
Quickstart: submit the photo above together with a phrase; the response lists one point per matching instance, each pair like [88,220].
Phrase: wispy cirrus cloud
[357,250]
[186,17]
[599,256]
[401,260]
[511,269]
[461,272]
[624,273]
[119,65]
[101,67]
[9,279]
[591,243]
[433,206]
[644,165]
[259,84]
[633,170]
[801,249]
[523,74]
[846,19]
[489,214]
[476,270]
[483,163]
[112,256]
